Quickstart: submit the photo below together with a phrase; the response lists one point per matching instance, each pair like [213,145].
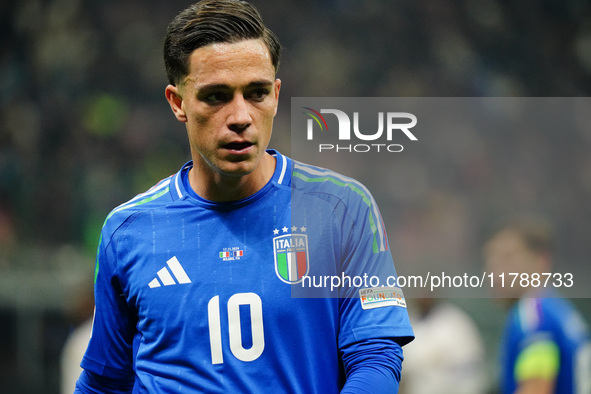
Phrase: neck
[215,186]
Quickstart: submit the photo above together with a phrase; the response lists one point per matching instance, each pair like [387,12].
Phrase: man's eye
[259,94]
[215,98]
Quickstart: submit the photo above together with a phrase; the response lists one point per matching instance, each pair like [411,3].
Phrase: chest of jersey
[222,284]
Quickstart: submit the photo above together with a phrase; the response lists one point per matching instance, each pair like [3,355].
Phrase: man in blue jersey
[199,280]
[546,347]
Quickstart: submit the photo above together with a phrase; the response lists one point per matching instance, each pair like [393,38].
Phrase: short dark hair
[213,21]
[535,231]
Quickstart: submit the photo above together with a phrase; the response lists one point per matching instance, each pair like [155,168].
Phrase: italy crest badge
[291,257]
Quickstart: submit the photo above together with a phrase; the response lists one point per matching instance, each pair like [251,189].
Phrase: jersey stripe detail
[162,184]
[176,185]
[339,180]
[529,311]
[283,169]
[141,202]
[364,198]
[96,263]
[134,202]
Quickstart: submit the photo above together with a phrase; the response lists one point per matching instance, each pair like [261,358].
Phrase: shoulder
[350,201]
[551,313]
[156,197]
[330,185]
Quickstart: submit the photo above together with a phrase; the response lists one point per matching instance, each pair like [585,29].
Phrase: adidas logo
[166,278]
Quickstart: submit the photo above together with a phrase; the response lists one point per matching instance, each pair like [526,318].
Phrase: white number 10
[235,334]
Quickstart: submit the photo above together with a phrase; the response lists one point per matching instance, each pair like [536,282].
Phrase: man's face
[508,253]
[228,102]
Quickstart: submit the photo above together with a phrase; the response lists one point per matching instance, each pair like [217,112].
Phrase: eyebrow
[215,86]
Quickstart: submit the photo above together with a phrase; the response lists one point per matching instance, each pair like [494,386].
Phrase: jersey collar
[180,188]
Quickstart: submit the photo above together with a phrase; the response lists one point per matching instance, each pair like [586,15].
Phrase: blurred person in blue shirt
[546,347]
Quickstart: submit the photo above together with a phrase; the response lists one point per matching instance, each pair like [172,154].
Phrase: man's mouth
[238,147]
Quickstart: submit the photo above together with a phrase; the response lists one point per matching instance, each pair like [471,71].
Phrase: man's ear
[175,99]
[276,88]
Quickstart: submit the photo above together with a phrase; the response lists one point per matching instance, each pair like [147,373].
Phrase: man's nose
[239,117]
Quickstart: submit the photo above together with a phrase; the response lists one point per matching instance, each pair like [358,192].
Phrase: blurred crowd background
[84,126]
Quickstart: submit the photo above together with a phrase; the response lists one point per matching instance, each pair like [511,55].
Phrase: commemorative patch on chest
[231,254]
[290,252]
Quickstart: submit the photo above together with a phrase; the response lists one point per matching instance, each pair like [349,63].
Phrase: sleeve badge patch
[377,297]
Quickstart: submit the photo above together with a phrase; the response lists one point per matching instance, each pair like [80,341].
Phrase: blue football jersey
[201,296]
[554,319]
